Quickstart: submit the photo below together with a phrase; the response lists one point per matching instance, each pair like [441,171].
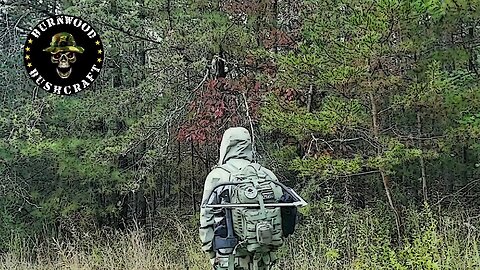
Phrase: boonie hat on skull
[63,42]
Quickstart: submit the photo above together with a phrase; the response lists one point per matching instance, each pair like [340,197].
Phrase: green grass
[331,237]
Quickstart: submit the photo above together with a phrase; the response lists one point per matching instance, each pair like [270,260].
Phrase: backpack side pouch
[289,215]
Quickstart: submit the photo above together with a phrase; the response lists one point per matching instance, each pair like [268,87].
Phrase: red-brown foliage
[221,105]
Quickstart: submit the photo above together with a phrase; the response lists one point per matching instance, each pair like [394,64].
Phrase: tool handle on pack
[229,219]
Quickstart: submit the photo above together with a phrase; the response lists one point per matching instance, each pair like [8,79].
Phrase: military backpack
[259,229]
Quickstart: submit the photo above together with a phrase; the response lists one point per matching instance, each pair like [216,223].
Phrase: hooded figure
[235,150]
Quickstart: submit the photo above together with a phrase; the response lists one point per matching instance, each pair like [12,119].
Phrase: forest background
[370,109]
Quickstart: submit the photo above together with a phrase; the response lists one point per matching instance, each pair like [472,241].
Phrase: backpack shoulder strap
[228,168]
[260,171]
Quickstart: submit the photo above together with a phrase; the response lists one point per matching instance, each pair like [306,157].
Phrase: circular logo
[63,55]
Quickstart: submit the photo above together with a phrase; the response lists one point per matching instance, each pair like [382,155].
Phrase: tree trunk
[309,98]
[385,177]
[422,161]
[275,25]
[472,61]
[179,179]
[192,188]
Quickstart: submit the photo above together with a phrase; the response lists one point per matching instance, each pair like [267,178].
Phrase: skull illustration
[63,49]
[64,61]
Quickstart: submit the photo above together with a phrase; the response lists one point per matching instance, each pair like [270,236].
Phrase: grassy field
[362,239]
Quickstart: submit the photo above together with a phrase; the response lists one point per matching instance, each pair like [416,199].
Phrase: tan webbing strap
[231,262]
[256,167]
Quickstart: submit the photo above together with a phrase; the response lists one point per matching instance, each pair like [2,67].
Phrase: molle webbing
[260,229]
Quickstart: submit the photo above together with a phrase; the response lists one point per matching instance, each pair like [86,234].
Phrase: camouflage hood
[236,143]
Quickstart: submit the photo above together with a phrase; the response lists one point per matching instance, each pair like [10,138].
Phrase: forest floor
[363,239]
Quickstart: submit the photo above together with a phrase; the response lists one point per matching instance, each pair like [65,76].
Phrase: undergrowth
[328,237]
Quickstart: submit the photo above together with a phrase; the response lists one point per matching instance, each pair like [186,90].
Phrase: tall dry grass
[332,240]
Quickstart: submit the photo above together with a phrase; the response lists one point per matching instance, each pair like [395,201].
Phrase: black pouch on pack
[219,233]
[221,229]
[221,240]
[289,215]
